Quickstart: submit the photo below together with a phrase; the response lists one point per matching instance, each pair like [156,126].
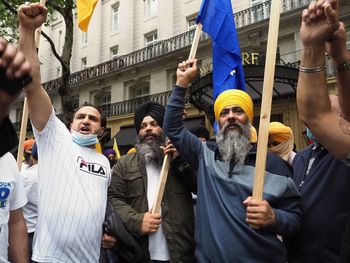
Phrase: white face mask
[83,139]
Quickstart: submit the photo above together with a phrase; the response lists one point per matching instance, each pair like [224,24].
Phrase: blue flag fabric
[217,19]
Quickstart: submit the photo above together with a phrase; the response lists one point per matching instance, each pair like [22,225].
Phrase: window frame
[115,12]
[149,9]
[83,63]
[142,88]
[112,49]
[154,35]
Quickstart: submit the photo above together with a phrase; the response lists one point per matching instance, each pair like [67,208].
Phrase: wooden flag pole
[166,163]
[163,177]
[195,42]
[265,113]
[22,134]
[24,122]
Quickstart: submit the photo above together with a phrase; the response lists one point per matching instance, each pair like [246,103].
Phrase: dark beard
[234,145]
[149,151]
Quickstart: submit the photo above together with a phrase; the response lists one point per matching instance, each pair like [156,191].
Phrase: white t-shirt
[73,182]
[30,183]
[157,244]
[12,197]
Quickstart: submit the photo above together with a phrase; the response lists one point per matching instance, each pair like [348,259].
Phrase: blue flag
[217,19]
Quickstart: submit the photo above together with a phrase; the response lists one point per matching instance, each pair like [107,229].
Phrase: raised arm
[188,145]
[319,22]
[31,17]
[340,56]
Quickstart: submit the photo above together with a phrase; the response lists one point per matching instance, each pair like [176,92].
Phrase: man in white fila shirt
[73,177]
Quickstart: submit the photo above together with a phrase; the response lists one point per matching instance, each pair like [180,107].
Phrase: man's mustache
[150,134]
[231,124]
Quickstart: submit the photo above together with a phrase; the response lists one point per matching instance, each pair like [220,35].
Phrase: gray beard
[150,151]
[234,145]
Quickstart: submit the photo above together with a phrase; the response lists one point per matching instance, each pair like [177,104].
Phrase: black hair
[103,120]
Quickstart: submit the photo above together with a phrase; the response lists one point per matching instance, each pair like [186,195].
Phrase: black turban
[150,108]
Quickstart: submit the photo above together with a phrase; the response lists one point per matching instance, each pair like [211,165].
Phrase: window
[114,52]
[59,41]
[151,7]
[105,100]
[84,38]
[151,38]
[75,101]
[141,91]
[83,63]
[191,23]
[115,16]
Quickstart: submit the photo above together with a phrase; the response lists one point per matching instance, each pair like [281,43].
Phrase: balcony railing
[243,18]
[262,11]
[129,106]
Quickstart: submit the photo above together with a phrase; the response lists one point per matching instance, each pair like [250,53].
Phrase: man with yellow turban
[281,141]
[225,172]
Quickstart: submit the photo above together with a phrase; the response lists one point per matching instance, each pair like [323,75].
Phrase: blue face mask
[84,140]
[311,136]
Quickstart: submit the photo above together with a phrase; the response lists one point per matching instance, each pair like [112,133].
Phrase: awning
[285,82]
[125,137]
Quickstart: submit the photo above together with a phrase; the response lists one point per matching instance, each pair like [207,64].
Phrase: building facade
[131,51]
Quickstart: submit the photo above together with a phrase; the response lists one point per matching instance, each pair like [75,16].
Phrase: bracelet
[312,70]
[342,67]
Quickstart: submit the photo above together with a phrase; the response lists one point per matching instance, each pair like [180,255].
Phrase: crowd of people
[73,204]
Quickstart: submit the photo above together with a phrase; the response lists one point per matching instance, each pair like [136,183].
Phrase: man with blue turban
[225,208]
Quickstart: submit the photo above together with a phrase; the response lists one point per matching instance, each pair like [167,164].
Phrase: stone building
[130,54]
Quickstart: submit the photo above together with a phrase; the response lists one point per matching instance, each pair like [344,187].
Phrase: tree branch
[58,8]
[53,48]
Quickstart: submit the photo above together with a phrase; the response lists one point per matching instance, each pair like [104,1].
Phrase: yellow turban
[278,132]
[253,135]
[233,97]
[282,134]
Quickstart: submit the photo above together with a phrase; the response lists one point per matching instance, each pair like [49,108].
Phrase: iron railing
[262,11]
[129,106]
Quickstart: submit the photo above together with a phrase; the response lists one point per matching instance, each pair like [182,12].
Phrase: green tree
[8,29]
